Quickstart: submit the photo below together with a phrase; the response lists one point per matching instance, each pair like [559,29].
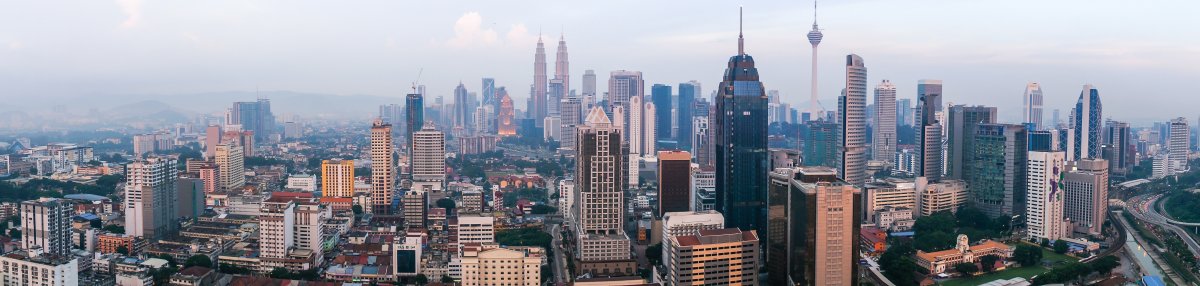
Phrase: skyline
[985,59]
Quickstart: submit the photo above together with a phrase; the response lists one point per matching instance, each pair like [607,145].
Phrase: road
[561,274]
[1145,208]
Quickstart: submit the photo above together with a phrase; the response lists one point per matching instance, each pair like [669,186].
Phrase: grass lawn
[1024,272]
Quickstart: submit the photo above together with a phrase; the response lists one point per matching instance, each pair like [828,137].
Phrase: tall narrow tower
[814,38]
[562,68]
[382,168]
[538,110]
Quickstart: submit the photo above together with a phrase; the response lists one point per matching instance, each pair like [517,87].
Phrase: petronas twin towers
[542,102]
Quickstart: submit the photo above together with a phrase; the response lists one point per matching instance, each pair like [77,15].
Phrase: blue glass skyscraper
[660,94]
[683,114]
[740,142]
[1087,124]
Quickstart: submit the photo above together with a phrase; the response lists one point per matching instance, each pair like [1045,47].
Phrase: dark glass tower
[414,116]
[683,114]
[660,94]
[740,141]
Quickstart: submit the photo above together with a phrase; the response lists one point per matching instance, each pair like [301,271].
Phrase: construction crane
[414,83]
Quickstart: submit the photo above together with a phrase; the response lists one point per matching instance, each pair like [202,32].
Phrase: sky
[1136,53]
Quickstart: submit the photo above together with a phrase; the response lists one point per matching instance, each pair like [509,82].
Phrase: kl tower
[814,38]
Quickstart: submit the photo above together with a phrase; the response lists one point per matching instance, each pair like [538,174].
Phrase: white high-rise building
[429,158]
[277,232]
[476,229]
[884,138]
[150,194]
[634,127]
[622,86]
[383,167]
[1178,145]
[35,268]
[589,85]
[231,172]
[1044,199]
[852,119]
[47,226]
[486,266]
[571,114]
[1032,113]
[649,132]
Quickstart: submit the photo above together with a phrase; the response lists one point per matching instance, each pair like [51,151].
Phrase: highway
[1145,208]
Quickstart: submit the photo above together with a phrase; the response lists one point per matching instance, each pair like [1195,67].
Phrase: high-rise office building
[740,134]
[1086,119]
[46,224]
[570,117]
[713,257]
[904,112]
[960,136]
[291,229]
[599,210]
[555,93]
[884,137]
[1178,144]
[997,171]
[253,116]
[623,85]
[820,144]
[463,110]
[1044,210]
[537,110]
[649,129]
[476,229]
[414,115]
[641,127]
[1032,113]
[1116,137]
[337,178]
[674,182]
[562,67]
[429,159]
[852,124]
[212,138]
[485,265]
[506,124]
[589,85]
[231,170]
[489,95]
[1085,200]
[688,92]
[150,196]
[383,167]
[825,214]
[391,113]
[929,129]
[660,95]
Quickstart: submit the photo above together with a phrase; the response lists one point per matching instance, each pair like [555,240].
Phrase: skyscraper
[820,144]
[212,138]
[414,115]
[253,116]
[46,224]
[537,111]
[1178,145]
[1086,195]
[571,117]
[555,92]
[589,84]
[429,159]
[506,124]
[150,195]
[230,167]
[462,107]
[634,125]
[852,119]
[489,94]
[683,114]
[960,136]
[674,182]
[1087,118]
[599,211]
[660,94]
[825,213]
[562,67]
[1032,113]
[623,85]
[740,137]
[904,112]
[884,139]
[814,38]
[1044,212]
[713,257]
[997,170]
[382,167]
[929,129]
[1116,137]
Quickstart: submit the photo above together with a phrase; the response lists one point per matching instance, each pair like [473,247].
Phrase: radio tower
[814,37]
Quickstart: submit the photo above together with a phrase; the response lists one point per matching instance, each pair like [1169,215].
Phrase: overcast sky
[1135,52]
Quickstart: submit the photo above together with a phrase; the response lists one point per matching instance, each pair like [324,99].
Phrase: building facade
[1044,212]
[383,168]
[337,178]
[1085,200]
[714,257]
[852,127]
[884,131]
[997,168]
[150,196]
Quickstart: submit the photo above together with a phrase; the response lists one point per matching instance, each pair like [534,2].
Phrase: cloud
[518,35]
[469,32]
[133,12]
[15,45]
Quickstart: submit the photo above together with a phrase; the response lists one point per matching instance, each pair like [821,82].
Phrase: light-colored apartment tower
[476,229]
[599,204]
[1044,200]
[1086,200]
[852,119]
[884,139]
[828,252]
[47,226]
[1178,144]
[429,159]
[487,266]
[30,267]
[1032,113]
[277,234]
[337,178]
[150,196]
[383,168]
[231,172]
[714,257]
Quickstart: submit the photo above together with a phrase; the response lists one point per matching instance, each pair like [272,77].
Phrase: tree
[896,265]
[966,268]
[1105,265]
[232,269]
[358,210]
[988,262]
[281,273]
[114,229]
[123,250]
[14,233]
[198,260]
[447,280]
[544,209]
[1060,246]
[446,203]
[934,241]
[421,279]
[1027,255]
[654,253]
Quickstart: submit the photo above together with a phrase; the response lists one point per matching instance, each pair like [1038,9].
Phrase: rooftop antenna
[418,80]
[741,42]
